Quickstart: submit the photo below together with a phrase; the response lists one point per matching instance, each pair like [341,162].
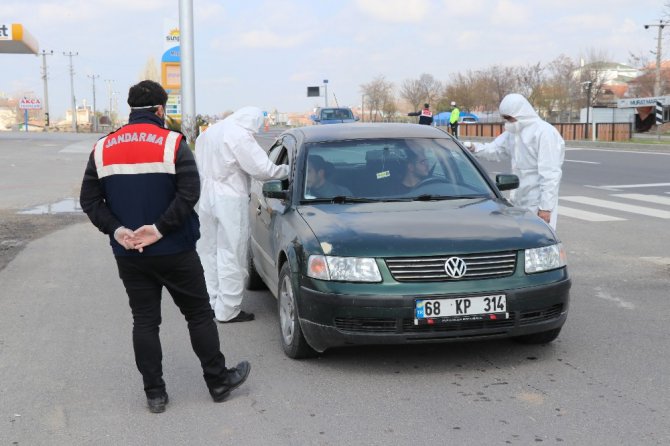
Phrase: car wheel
[292,340]
[544,337]
[254,280]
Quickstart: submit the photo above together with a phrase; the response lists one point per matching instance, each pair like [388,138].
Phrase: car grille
[431,269]
[400,326]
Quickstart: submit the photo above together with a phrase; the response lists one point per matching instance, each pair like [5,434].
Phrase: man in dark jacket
[425,115]
[140,186]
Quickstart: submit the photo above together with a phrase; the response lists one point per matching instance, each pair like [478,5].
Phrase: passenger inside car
[317,184]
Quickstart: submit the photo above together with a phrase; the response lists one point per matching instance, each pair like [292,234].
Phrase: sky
[267,52]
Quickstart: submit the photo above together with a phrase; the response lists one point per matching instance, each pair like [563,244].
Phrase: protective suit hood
[250,118]
[519,108]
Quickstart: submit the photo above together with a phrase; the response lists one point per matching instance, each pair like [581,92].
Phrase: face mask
[512,127]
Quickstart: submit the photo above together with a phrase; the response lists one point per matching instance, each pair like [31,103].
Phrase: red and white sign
[30,104]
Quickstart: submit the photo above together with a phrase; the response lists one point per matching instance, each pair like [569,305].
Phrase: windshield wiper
[428,197]
[339,199]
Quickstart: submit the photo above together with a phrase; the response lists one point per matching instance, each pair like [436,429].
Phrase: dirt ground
[17,230]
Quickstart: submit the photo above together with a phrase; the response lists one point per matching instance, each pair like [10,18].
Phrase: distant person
[227,156]
[140,187]
[453,119]
[536,150]
[317,183]
[425,115]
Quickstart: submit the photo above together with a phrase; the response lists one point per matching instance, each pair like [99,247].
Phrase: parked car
[450,259]
[468,118]
[333,115]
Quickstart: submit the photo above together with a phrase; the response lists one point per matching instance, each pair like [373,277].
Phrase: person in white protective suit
[227,155]
[536,150]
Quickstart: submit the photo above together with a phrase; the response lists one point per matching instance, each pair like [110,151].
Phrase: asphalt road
[67,375]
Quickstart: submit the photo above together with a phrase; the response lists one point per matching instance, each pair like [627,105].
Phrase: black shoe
[157,404]
[243,316]
[234,379]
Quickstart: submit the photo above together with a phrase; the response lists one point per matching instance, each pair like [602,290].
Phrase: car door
[264,215]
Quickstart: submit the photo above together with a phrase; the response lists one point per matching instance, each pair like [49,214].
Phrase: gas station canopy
[15,39]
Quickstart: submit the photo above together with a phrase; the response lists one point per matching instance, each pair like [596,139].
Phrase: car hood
[424,228]
[336,121]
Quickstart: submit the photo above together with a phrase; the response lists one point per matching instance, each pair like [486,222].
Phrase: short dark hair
[147,93]
[426,105]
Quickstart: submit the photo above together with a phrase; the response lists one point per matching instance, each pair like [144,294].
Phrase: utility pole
[657,84]
[661,24]
[95,118]
[109,94]
[74,102]
[188,117]
[46,88]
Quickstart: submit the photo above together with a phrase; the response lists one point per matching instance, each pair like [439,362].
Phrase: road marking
[621,151]
[646,198]
[617,300]
[582,162]
[617,187]
[619,206]
[586,215]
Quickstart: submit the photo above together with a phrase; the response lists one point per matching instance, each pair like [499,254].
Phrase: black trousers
[182,275]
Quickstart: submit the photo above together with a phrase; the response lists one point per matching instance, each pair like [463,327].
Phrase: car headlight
[345,269]
[545,258]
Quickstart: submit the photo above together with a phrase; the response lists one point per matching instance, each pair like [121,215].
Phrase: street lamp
[587,86]
[325,86]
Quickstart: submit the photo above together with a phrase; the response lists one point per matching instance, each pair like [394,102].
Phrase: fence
[617,131]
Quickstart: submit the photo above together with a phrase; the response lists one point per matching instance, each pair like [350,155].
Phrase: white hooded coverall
[227,155]
[536,150]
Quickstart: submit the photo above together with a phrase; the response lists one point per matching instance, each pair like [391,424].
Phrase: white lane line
[586,215]
[616,187]
[619,206]
[621,151]
[657,199]
[602,294]
[582,162]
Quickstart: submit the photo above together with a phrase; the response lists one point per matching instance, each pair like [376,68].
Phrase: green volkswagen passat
[394,233]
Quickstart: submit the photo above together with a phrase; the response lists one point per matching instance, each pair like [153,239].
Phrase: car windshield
[336,113]
[390,169]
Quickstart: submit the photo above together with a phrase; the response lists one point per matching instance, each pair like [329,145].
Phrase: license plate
[462,308]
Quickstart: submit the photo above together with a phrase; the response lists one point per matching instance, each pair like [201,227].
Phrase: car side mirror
[507,182]
[274,189]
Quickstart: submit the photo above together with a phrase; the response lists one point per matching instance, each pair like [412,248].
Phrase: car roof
[337,132]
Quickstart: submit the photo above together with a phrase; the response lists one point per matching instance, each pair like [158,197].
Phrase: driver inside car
[417,170]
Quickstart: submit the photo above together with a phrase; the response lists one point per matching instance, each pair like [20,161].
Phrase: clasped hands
[138,239]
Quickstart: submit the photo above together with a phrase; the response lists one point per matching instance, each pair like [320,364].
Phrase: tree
[562,89]
[151,71]
[380,98]
[412,92]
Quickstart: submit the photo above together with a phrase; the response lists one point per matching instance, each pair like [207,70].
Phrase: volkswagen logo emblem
[455,267]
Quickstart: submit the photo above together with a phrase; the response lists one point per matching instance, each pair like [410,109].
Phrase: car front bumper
[332,320]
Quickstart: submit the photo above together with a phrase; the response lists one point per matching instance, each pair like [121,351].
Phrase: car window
[389,168]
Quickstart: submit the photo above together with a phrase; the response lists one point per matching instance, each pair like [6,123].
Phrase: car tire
[544,337]
[254,280]
[292,340]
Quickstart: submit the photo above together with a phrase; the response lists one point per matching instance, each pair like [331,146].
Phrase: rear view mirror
[507,182]
[273,189]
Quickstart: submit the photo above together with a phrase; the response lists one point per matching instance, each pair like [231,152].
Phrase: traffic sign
[30,104]
[642,102]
